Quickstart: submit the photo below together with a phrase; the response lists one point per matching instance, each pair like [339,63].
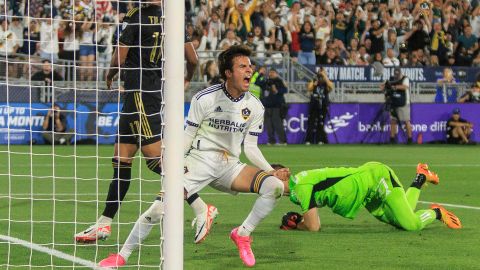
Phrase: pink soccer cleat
[113,260]
[244,249]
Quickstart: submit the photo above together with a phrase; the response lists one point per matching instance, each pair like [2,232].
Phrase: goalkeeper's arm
[309,222]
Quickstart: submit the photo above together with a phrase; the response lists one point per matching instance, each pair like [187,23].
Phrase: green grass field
[46,210]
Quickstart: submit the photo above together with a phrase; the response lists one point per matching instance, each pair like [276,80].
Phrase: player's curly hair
[225,58]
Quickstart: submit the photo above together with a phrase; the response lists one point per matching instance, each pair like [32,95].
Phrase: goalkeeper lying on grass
[373,186]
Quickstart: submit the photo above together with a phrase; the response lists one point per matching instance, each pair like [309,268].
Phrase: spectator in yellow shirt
[239,15]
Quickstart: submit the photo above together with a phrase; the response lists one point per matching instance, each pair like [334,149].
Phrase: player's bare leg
[122,167]
[270,190]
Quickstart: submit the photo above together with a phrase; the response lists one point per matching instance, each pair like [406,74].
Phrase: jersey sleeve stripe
[192,124]
[131,12]
[206,92]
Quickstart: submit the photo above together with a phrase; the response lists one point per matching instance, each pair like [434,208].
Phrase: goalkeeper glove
[290,221]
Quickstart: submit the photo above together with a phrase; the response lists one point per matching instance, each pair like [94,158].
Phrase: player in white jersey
[221,117]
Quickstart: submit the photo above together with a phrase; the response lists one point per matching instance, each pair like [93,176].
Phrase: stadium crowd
[339,32]
[345,32]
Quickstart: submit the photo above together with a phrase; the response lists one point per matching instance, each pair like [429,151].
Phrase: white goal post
[173,156]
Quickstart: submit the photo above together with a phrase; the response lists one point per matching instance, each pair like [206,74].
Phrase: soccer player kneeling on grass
[221,117]
[372,185]
[140,125]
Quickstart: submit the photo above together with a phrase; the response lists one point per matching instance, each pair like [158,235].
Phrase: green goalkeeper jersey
[344,190]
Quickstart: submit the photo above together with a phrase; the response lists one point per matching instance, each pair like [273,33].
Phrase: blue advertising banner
[21,123]
[415,74]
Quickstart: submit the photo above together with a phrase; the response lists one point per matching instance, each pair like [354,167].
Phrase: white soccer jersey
[222,121]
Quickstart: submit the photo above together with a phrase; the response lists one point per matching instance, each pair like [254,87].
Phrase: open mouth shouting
[246,80]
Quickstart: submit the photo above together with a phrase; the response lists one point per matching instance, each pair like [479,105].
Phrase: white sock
[199,207]
[142,228]
[270,191]
[104,221]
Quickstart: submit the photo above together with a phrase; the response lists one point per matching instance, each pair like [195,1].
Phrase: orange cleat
[432,177]
[93,233]
[204,223]
[452,221]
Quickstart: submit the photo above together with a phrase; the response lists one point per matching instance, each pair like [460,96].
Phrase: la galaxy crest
[246,113]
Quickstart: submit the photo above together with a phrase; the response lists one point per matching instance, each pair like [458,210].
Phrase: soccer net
[58,124]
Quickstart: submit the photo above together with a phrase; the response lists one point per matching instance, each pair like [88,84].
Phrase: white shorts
[204,168]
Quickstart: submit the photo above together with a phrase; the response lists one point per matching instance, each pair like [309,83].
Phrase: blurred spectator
[306,56]
[8,40]
[87,50]
[414,60]
[71,47]
[215,29]
[294,27]
[46,74]
[471,96]
[229,40]
[260,41]
[377,57]
[318,108]
[240,17]
[31,38]
[476,21]
[438,44]
[49,39]
[104,38]
[451,61]
[458,129]
[469,43]
[340,27]
[330,57]
[55,127]
[273,100]
[249,42]
[257,81]
[434,61]
[211,74]
[390,60]
[446,90]
[275,53]
[322,29]
[376,36]
[417,38]
[16,27]
[422,57]
[392,42]
[278,32]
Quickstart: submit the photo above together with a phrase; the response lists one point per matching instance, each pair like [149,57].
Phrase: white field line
[453,205]
[50,251]
[26,196]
